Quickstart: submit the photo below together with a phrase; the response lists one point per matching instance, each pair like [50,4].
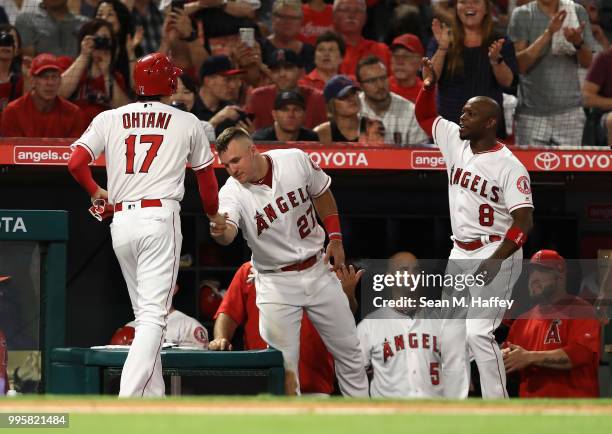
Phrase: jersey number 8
[485,215]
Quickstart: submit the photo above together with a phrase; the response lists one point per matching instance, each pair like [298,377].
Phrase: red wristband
[516,235]
[332,226]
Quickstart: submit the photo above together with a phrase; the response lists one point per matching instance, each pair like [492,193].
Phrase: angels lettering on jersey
[281,205]
[473,182]
[413,341]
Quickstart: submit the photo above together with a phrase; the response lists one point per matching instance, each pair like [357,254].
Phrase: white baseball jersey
[484,188]
[279,223]
[401,125]
[404,353]
[147,146]
[183,330]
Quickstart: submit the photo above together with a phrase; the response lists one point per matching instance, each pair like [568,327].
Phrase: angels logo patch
[315,166]
[553,335]
[523,185]
[200,335]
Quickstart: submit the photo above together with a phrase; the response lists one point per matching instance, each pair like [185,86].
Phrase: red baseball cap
[43,62]
[4,278]
[410,42]
[549,259]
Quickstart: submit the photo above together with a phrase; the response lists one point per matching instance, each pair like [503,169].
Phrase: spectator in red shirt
[316,366]
[318,19]
[597,92]
[286,69]
[406,54]
[349,19]
[41,112]
[555,345]
[329,52]
[92,81]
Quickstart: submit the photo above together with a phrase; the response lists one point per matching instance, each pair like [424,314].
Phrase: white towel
[560,45]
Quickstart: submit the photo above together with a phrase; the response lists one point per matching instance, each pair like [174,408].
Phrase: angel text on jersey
[281,205]
[473,182]
[146,120]
[412,341]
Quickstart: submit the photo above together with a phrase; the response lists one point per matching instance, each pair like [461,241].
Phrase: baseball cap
[44,61]
[338,86]
[218,65]
[289,97]
[283,56]
[550,259]
[410,42]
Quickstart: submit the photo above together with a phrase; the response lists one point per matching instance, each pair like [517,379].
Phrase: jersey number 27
[155,140]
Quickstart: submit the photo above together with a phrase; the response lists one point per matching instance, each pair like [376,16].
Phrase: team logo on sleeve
[315,166]
[200,335]
[523,185]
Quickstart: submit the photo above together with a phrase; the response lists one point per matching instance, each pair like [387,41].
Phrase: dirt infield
[270,406]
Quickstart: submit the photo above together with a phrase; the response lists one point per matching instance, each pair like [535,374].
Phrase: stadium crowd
[549,63]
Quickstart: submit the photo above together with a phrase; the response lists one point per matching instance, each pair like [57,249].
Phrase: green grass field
[268,415]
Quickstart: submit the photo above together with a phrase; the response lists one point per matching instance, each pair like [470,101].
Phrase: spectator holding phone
[92,81]
[118,15]
[288,114]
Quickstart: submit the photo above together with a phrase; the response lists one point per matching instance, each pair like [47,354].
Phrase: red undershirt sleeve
[209,190]
[78,165]
[425,109]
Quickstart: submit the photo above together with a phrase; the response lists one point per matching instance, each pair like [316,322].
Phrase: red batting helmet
[123,336]
[154,74]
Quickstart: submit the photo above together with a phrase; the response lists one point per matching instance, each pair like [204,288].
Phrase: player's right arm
[224,330]
[85,150]
[224,232]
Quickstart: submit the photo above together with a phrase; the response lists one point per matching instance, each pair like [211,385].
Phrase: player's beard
[545,297]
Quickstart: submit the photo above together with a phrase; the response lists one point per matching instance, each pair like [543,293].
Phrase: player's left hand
[515,358]
[489,269]
[335,251]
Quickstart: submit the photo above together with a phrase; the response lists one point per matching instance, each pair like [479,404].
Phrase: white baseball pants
[281,299]
[471,329]
[147,243]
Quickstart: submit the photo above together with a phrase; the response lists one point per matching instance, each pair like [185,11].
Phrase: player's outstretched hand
[489,269]
[220,344]
[515,358]
[429,75]
[218,224]
[335,252]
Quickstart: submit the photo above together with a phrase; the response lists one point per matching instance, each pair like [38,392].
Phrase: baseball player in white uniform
[402,346]
[274,198]
[181,330]
[147,146]
[491,215]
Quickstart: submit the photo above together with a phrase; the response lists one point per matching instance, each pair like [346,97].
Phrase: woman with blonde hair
[470,59]
[343,106]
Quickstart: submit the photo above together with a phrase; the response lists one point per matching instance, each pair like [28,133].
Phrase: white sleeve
[200,154]
[445,135]
[229,202]
[93,139]
[517,188]
[364,342]
[317,181]
[195,334]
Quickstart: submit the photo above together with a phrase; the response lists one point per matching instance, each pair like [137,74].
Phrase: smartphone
[178,4]
[247,35]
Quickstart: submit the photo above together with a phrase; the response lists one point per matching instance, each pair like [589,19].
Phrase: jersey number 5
[155,140]
[434,372]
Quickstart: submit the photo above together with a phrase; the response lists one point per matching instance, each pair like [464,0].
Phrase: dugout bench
[84,370]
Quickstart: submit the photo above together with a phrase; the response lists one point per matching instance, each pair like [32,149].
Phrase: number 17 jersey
[147,146]
[484,188]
